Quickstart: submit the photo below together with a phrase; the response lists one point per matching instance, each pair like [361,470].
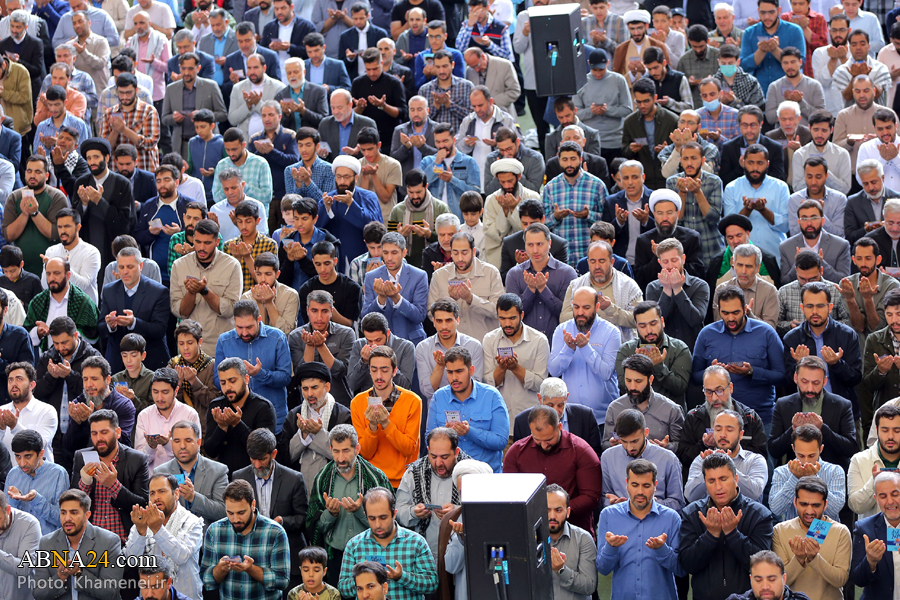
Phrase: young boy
[251,243]
[293,251]
[614,173]
[183,242]
[601,231]
[287,215]
[313,567]
[674,40]
[346,293]
[472,207]
[196,369]
[606,30]
[134,381]
[370,260]
[278,303]
[15,278]
[206,150]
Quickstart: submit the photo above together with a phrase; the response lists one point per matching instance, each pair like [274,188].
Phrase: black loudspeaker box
[560,64]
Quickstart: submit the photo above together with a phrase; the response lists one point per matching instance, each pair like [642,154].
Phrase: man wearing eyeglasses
[834,250]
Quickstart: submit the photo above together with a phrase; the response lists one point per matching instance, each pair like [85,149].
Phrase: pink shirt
[157,69]
[151,422]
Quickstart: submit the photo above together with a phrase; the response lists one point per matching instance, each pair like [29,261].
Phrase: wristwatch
[204,291]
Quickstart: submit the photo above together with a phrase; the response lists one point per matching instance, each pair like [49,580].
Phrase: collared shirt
[21,537]
[460,105]
[84,262]
[767,71]
[767,236]
[144,121]
[752,471]
[480,317]
[151,422]
[711,241]
[229,231]
[834,203]
[37,416]
[781,495]
[578,578]
[425,360]
[499,46]
[103,514]
[258,184]
[109,98]
[726,123]
[757,344]
[532,351]
[50,481]
[891,167]
[542,309]
[264,493]
[789,306]
[48,128]
[699,68]
[871,24]
[346,525]
[81,82]
[344,134]
[615,460]
[267,544]
[639,572]
[54,309]
[664,418]
[321,180]
[488,419]
[587,191]
[763,295]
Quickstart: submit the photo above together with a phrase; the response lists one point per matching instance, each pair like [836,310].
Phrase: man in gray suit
[77,533]
[205,480]
[226,39]
[497,74]
[186,95]
[835,251]
[245,102]
[414,139]
[303,103]
[341,113]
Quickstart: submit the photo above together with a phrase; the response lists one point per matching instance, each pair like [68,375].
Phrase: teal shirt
[346,525]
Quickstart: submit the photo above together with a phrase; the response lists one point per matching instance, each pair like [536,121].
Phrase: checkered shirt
[260,244]
[588,191]
[711,241]
[144,121]
[103,514]
[460,106]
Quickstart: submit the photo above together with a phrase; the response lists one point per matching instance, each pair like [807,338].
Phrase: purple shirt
[542,310]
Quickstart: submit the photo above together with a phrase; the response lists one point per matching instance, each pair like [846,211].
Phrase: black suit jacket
[646,268]
[350,41]
[67,179]
[559,249]
[697,12]
[408,79]
[301,28]
[885,246]
[151,313]
[860,211]
[596,166]
[879,584]
[143,185]
[582,423]
[132,471]
[731,159]
[712,275]
[838,429]
[288,501]
[111,217]
[620,245]
[31,56]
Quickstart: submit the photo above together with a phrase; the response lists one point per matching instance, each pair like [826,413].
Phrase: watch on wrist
[204,291]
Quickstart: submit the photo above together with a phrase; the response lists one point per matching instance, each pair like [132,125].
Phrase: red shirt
[819,36]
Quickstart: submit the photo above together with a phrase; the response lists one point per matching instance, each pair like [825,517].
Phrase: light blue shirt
[669,491]
[781,495]
[50,481]
[485,410]
[46,127]
[639,572]
[753,474]
[344,134]
[219,49]
[101,24]
[767,236]
[316,74]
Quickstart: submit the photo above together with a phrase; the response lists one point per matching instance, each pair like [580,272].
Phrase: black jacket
[860,211]
[31,56]
[582,423]
[288,501]
[305,264]
[431,253]
[143,185]
[66,179]
[721,566]
[132,471]
[230,447]
[838,429]
[112,216]
[620,245]
[340,415]
[559,249]
[731,157]
[789,594]
[647,268]
[697,422]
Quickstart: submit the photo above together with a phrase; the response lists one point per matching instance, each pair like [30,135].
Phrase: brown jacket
[445,587]
[622,51]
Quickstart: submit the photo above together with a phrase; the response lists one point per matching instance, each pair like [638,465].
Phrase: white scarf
[176,523]
[325,413]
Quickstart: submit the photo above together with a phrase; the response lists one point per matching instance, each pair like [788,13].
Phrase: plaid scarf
[80,308]
[368,476]
[202,362]
[421,492]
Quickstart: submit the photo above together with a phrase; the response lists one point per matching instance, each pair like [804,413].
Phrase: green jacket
[882,387]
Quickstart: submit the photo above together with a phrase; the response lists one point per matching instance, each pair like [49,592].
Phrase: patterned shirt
[726,123]
[358,269]
[408,547]
[260,244]
[503,49]
[819,35]
[746,89]
[588,191]
[321,180]
[103,514]
[81,82]
[789,306]
[257,177]
[699,68]
[781,496]
[267,545]
[711,241]
[460,106]
[109,98]
[144,121]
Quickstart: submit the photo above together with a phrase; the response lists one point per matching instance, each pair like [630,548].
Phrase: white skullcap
[346,161]
[507,165]
[636,16]
[470,466]
[665,195]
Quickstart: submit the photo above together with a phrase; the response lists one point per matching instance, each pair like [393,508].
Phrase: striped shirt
[460,105]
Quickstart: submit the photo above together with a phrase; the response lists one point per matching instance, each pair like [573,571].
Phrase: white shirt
[256,122]
[38,416]
[54,309]
[144,81]
[227,229]
[481,150]
[200,31]
[284,34]
[361,45]
[84,263]
[476,232]
[192,188]
[891,167]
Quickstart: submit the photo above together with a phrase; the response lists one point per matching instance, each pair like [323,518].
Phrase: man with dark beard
[834,250]
[665,207]
[106,203]
[281,492]
[509,190]
[751,467]
[665,418]
[133,121]
[565,459]
[415,216]
[25,412]
[768,580]
[234,415]
[572,550]
[701,194]
[623,549]
[118,481]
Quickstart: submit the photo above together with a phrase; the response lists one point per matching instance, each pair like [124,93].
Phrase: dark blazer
[151,313]
[620,245]
[646,268]
[731,159]
[283,154]
[695,14]
[111,217]
[880,584]
[559,249]
[301,28]
[595,164]
[885,245]
[31,56]
[210,481]
[11,147]
[858,212]
[403,154]
[142,233]
[328,131]
[66,179]
[553,140]
[96,541]
[835,256]
[315,101]
[838,429]
[340,415]
[132,471]
[408,78]
[207,63]
[633,128]
[406,320]
[335,74]
[288,501]
[235,62]
[252,15]
[143,185]
[208,42]
[582,423]
[350,41]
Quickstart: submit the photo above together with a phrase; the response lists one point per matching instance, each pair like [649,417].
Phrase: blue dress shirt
[767,236]
[788,34]
[669,491]
[50,481]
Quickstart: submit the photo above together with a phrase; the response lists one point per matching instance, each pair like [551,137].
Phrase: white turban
[665,195]
[346,161]
[470,466]
[633,16]
[507,165]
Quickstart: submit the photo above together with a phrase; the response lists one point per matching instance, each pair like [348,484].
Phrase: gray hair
[341,433]
[891,206]
[576,128]
[718,369]
[320,297]
[19,16]
[295,60]
[723,6]
[631,164]
[794,106]
[130,251]
[395,239]
[269,104]
[748,250]
[554,387]
[183,35]
[388,40]
[231,173]
[446,220]
[868,165]
[67,47]
[233,363]
[344,93]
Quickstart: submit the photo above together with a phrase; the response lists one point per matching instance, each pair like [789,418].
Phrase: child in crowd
[287,215]
[471,205]
[313,567]
[206,150]
[15,278]
[134,381]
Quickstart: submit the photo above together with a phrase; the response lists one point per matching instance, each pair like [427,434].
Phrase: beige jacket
[826,574]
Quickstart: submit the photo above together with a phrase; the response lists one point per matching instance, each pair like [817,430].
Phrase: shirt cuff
[35,340]
[330,213]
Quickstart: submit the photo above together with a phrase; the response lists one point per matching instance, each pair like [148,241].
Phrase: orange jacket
[395,447]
